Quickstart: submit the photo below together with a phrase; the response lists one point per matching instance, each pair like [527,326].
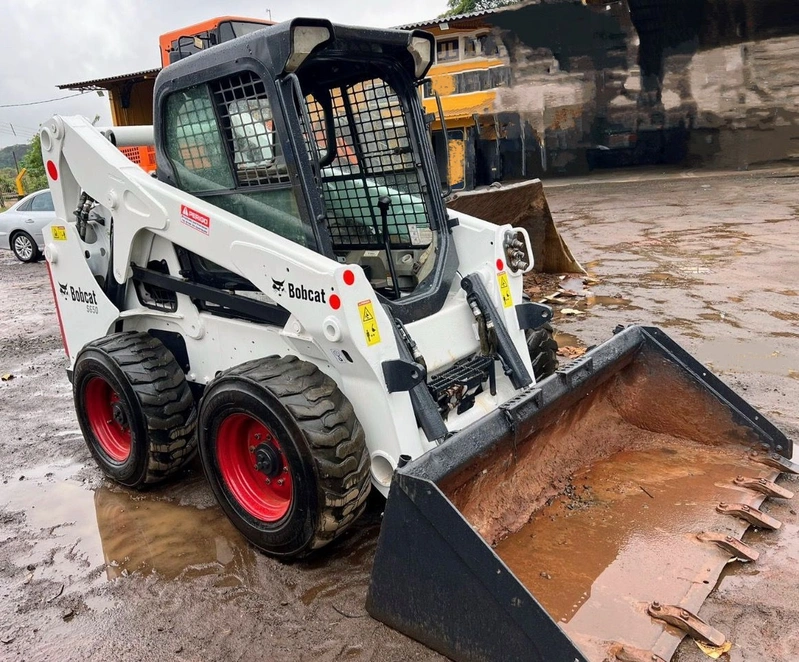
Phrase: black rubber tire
[321,437]
[156,399]
[14,249]
[543,351]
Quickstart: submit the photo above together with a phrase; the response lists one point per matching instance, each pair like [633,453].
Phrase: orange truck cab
[185,41]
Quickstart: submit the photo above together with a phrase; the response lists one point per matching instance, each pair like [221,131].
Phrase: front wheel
[284,454]
[24,247]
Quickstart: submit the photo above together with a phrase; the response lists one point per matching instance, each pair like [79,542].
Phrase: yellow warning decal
[504,289]
[369,322]
[59,233]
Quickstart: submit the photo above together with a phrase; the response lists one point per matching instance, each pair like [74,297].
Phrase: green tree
[35,178]
[467,6]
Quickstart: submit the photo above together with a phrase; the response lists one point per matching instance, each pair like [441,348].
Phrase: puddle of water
[624,536]
[145,535]
[573,284]
[124,531]
[611,302]
[567,340]
[719,316]
[749,356]
[784,316]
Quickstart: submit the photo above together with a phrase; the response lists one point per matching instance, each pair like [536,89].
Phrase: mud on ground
[89,570]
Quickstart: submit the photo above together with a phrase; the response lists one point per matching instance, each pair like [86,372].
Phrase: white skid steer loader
[291,297]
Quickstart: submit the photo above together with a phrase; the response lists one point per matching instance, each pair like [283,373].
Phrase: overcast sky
[50,42]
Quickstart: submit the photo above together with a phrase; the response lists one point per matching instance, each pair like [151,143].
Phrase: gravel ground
[90,570]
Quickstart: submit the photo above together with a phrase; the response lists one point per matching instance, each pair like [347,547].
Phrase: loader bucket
[586,519]
[522,205]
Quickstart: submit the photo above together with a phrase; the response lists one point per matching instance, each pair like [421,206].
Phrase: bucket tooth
[689,623]
[776,462]
[625,653]
[752,515]
[734,547]
[764,486]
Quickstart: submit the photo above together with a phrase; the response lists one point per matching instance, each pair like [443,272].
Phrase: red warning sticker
[195,220]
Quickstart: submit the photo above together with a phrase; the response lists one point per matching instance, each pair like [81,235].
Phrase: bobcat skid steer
[291,298]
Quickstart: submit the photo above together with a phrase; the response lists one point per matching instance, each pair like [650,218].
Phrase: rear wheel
[284,454]
[24,247]
[543,351]
[135,408]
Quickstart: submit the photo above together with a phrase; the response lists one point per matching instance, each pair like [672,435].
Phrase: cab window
[222,142]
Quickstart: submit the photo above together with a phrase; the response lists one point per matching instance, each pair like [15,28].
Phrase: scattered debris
[68,614]
[571,352]
[571,311]
[7,639]
[545,575]
[645,491]
[57,593]
[28,579]
[714,652]
[7,377]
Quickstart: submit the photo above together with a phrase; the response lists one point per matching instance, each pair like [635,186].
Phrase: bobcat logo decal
[63,289]
[278,286]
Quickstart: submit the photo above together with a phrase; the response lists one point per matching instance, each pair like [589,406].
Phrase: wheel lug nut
[268,481]
[281,482]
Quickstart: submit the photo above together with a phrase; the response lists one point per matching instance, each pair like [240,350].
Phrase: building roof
[448,19]
[105,83]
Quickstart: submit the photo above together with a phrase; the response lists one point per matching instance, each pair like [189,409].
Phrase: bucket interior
[597,508]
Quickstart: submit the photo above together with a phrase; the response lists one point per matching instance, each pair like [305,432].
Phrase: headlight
[304,38]
[421,48]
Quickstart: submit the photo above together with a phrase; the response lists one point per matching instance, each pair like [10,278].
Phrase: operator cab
[316,132]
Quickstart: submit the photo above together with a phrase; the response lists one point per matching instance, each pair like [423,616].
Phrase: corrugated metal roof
[448,19]
[103,83]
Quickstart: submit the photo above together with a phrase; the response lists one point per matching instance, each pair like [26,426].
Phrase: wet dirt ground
[89,570]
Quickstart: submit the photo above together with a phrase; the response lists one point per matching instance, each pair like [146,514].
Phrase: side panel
[83,309]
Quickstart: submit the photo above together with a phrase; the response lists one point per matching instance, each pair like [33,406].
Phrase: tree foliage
[455,7]
[35,178]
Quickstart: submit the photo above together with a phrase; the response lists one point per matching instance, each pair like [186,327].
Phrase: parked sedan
[21,226]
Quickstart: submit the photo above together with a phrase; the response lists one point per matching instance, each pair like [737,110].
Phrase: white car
[21,225]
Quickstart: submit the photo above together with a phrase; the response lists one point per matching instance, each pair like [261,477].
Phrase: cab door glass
[194,141]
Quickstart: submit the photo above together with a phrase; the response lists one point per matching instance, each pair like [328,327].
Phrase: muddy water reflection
[125,532]
[144,535]
[624,535]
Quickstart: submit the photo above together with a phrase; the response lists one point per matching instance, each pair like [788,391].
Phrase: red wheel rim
[254,467]
[108,419]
